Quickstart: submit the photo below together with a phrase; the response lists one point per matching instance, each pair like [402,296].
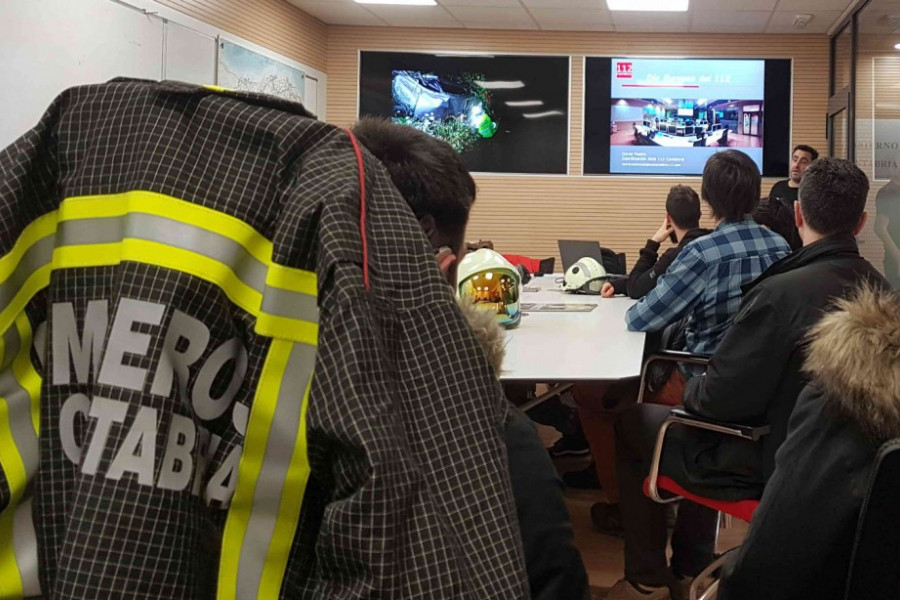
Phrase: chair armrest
[675,356]
[681,416]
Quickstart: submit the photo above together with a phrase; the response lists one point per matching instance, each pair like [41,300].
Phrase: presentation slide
[668,116]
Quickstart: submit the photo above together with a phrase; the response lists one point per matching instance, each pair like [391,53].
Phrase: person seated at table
[802,535]
[681,226]
[703,286]
[436,184]
[753,378]
[775,215]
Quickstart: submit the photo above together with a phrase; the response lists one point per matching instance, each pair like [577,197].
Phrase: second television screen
[668,116]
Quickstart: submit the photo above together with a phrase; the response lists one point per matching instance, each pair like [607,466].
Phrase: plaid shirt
[216,405]
[704,283]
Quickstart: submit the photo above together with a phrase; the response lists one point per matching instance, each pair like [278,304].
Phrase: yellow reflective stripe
[10,578]
[37,281]
[261,414]
[289,511]
[161,255]
[36,230]
[293,329]
[294,280]
[25,373]
[138,201]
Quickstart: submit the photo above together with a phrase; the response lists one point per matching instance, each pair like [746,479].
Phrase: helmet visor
[496,291]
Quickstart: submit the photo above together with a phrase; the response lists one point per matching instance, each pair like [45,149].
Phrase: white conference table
[566,347]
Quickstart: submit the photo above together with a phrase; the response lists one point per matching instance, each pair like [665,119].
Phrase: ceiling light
[896,46]
[541,115]
[405,2]
[525,103]
[648,5]
[501,85]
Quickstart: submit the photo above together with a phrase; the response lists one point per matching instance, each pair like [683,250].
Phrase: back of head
[731,184]
[833,196]
[429,174]
[683,205]
[774,214]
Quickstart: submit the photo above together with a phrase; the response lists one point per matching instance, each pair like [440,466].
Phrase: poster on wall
[504,114]
[243,69]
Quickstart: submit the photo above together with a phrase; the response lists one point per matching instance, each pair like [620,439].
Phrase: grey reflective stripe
[293,305]
[153,228]
[38,255]
[18,404]
[269,484]
[25,549]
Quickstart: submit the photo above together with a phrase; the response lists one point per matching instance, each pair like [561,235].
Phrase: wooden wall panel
[527,214]
[273,24]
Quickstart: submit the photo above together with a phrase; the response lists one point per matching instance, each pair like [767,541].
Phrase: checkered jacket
[205,392]
[704,283]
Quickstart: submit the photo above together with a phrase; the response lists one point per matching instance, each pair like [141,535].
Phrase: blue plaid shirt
[704,282]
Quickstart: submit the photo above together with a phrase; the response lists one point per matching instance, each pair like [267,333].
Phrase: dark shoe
[585,479]
[607,518]
[570,445]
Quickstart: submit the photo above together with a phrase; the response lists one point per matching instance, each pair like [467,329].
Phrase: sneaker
[570,445]
[585,479]
[625,590]
[607,518]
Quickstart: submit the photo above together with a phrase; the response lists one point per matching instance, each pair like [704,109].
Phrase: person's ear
[862,223]
[429,226]
[798,214]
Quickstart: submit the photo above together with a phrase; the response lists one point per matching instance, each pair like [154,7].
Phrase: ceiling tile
[481,3]
[651,22]
[739,5]
[493,18]
[591,4]
[880,21]
[572,20]
[721,21]
[338,13]
[783,22]
[813,5]
[414,16]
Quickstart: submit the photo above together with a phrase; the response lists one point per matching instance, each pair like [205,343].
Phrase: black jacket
[755,375]
[802,534]
[650,266]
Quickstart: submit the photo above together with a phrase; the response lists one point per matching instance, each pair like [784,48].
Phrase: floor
[602,554]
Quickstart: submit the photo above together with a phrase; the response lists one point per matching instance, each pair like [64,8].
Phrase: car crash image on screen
[504,114]
[455,109]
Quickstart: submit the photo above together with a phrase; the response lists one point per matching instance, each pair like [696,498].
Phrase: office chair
[723,141]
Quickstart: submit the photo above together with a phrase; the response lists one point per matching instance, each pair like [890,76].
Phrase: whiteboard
[49,45]
[311,97]
[190,55]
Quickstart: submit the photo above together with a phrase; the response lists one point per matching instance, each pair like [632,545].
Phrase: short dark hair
[808,149]
[833,196]
[430,175]
[774,214]
[731,184]
[683,205]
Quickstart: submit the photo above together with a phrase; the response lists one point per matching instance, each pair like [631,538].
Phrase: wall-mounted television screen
[668,116]
[504,114]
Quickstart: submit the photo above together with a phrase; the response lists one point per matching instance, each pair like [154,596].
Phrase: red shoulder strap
[362,206]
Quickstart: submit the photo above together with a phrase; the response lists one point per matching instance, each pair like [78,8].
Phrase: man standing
[754,377]
[786,189]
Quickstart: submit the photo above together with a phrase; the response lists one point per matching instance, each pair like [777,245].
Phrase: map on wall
[248,71]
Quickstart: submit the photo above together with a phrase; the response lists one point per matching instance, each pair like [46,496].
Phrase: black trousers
[644,521]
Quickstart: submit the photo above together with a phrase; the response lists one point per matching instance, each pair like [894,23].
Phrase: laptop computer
[571,251]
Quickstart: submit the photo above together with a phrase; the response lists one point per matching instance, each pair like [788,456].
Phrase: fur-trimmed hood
[854,355]
[487,331]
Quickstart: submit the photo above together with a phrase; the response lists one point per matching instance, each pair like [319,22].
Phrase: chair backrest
[874,564]
[723,141]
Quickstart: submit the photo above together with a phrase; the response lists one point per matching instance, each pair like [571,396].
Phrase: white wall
[627,113]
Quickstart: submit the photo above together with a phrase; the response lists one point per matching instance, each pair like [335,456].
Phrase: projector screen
[668,116]
[504,114]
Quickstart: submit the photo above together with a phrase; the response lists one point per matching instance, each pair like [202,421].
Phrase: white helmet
[586,276]
[491,283]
